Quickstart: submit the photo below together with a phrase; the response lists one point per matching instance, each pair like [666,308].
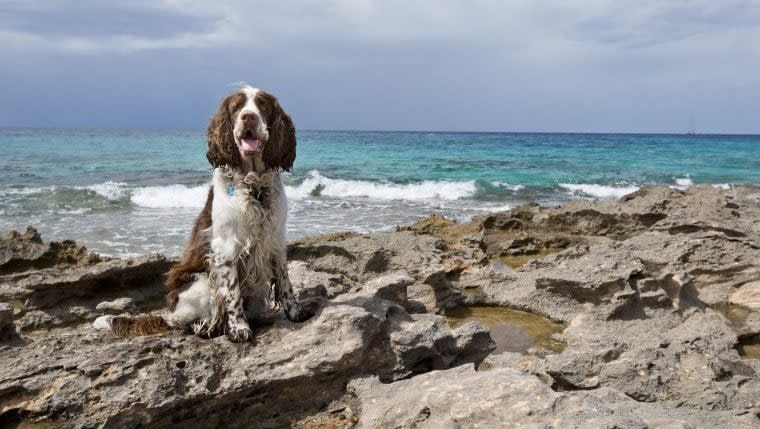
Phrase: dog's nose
[249,117]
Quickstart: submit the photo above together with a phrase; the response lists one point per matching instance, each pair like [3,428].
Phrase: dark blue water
[135,191]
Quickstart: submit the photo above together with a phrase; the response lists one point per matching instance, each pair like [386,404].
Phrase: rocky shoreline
[642,312]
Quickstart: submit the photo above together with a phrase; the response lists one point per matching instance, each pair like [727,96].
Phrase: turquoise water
[136,191]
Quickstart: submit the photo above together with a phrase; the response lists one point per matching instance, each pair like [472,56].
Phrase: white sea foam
[599,191]
[172,196]
[496,209]
[682,183]
[511,187]
[110,190]
[78,211]
[27,191]
[316,183]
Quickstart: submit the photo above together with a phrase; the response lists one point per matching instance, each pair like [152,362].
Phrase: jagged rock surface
[78,377]
[7,327]
[57,284]
[506,397]
[658,293]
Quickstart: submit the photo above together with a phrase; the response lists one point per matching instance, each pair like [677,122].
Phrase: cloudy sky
[571,65]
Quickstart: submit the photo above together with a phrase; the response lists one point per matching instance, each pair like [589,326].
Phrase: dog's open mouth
[249,143]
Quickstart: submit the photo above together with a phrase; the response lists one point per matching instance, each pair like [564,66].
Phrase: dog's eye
[235,103]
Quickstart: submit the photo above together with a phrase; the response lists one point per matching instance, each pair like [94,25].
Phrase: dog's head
[251,123]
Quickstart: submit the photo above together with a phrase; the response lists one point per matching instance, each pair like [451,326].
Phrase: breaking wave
[171,196]
[318,185]
[109,190]
[599,191]
[682,183]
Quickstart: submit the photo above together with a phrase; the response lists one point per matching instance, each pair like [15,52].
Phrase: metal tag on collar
[230,189]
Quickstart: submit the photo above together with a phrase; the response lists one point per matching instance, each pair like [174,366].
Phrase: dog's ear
[280,151]
[222,149]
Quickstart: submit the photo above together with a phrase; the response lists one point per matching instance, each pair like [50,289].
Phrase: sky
[554,66]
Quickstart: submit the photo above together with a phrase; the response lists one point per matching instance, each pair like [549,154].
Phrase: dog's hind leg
[193,308]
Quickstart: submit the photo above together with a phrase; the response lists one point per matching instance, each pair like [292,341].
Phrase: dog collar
[260,193]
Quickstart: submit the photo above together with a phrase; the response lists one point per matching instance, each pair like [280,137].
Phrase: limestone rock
[309,283]
[748,295]
[656,292]
[63,295]
[7,328]
[118,305]
[83,378]
[20,252]
[463,397]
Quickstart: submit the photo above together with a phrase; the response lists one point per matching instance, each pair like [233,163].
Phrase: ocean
[131,192]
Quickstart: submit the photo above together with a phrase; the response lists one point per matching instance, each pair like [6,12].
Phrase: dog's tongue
[250,145]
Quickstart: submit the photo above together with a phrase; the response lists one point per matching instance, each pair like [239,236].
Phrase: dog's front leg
[228,306]
[295,310]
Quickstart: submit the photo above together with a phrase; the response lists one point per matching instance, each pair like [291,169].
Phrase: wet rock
[7,328]
[511,330]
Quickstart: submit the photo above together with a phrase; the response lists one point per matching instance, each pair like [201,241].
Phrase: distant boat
[691,131]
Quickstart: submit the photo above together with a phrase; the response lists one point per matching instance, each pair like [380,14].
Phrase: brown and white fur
[234,266]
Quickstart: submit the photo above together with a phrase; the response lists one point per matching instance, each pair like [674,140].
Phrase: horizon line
[668,133]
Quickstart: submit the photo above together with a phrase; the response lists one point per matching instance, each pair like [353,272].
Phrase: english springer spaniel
[234,268]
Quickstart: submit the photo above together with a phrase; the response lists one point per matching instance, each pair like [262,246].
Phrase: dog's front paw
[304,310]
[239,333]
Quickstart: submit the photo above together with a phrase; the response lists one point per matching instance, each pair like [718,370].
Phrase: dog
[234,268]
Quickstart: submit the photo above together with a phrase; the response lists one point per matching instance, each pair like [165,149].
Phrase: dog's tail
[132,325]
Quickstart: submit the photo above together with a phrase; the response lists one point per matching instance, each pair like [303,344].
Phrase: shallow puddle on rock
[737,317]
[484,366]
[512,330]
[17,304]
[749,348]
[736,314]
[15,422]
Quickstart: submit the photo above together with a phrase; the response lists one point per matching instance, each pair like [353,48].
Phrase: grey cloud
[593,65]
[96,19]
